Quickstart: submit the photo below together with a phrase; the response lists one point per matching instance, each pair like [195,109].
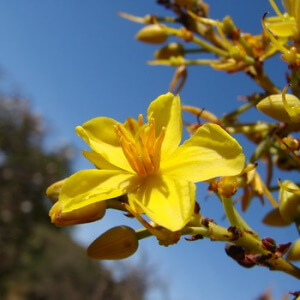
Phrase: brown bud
[116,243]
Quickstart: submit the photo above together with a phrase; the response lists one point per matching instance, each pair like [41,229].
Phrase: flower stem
[246,239]
[229,210]
[142,233]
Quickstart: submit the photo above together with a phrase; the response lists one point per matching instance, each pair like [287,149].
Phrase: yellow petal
[100,134]
[90,186]
[166,111]
[166,201]
[99,161]
[283,28]
[209,153]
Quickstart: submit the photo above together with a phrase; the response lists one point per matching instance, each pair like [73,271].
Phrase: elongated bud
[116,243]
[172,49]
[289,205]
[54,189]
[274,106]
[86,214]
[294,253]
[153,34]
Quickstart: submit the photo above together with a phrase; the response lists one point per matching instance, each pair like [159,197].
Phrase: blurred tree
[38,261]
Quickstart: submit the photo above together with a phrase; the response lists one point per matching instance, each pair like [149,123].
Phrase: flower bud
[228,26]
[86,214]
[274,218]
[294,253]
[289,201]
[172,49]
[290,56]
[54,189]
[116,243]
[274,107]
[153,34]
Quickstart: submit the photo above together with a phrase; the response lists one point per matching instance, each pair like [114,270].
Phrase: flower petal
[166,111]
[90,186]
[99,161]
[209,153]
[166,201]
[100,134]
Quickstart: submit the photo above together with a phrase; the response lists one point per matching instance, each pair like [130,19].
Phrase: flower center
[142,149]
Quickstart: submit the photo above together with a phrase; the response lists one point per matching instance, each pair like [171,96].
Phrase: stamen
[146,158]
[128,155]
[141,120]
[137,160]
[123,133]
[143,150]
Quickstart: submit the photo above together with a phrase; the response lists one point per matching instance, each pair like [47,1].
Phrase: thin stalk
[142,233]
[229,211]
[210,47]
[249,241]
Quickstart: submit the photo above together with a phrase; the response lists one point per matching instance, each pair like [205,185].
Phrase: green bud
[116,243]
[294,253]
[274,107]
[289,202]
[153,34]
[172,49]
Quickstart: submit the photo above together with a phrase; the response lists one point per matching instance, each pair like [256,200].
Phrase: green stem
[243,108]
[248,128]
[229,211]
[246,239]
[262,147]
[210,47]
[261,78]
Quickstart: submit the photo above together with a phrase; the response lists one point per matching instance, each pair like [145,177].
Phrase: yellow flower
[145,161]
[285,24]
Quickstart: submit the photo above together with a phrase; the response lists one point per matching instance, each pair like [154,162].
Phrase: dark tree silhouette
[38,260]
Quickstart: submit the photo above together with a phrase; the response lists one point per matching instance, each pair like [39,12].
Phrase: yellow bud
[289,201]
[54,189]
[172,49]
[153,34]
[290,56]
[236,53]
[294,253]
[274,107]
[274,218]
[291,142]
[116,243]
[228,26]
[86,214]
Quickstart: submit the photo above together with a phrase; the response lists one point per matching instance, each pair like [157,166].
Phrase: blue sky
[77,60]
